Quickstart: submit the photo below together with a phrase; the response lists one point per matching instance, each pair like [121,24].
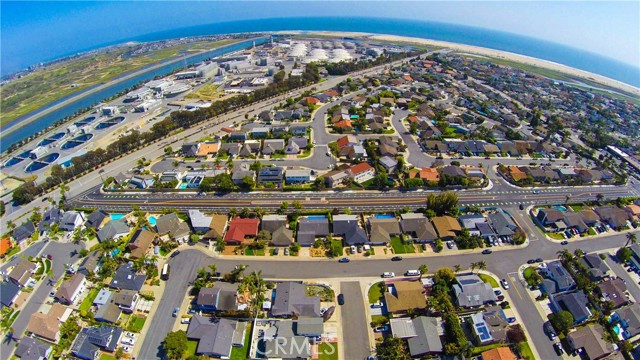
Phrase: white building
[148,105]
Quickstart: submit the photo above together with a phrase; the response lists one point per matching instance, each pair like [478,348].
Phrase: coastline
[476,50]
[124,77]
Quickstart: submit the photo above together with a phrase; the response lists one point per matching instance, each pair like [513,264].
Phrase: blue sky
[36,31]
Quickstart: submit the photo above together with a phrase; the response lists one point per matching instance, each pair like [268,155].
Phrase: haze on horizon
[31,32]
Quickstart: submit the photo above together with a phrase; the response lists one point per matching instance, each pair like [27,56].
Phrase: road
[355,326]
[61,253]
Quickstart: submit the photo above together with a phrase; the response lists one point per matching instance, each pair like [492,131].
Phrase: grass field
[105,356]
[85,306]
[136,323]
[192,346]
[206,92]
[527,354]
[556,236]
[328,351]
[489,279]
[242,353]
[40,88]
[400,248]
[375,292]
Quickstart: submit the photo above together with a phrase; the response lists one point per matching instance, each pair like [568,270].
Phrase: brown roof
[516,173]
[591,339]
[47,325]
[501,353]
[410,295]
[140,243]
[21,273]
[66,290]
[217,225]
[446,226]
[208,148]
[343,124]
[429,174]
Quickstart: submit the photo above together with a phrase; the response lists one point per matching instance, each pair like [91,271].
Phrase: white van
[388,274]
[412,273]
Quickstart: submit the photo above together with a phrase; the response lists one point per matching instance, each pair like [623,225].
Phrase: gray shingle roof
[471,291]
[126,278]
[215,336]
[291,298]
[32,349]
[112,229]
[427,339]
[96,218]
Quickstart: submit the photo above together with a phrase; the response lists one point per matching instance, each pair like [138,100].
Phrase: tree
[168,150]
[423,270]
[319,183]
[248,182]
[83,252]
[482,265]
[297,205]
[294,249]
[600,197]
[624,254]
[457,268]
[445,274]
[631,239]
[264,235]
[561,321]
[392,348]
[175,344]
[63,190]
[516,335]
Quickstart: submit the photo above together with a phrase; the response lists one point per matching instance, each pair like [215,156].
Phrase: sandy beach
[476,50]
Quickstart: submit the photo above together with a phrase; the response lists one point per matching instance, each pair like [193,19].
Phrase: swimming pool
[116,216]
[616,329]
[316,217]
[559,207]
[383,216]
[152,220]
[115,252]
[183,186]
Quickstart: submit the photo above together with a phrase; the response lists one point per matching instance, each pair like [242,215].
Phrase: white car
[388,275]
[505,284]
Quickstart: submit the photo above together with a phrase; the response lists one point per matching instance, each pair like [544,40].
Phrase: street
[355,326]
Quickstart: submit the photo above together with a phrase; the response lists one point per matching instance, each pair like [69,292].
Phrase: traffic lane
[183,271]
[355,326]
[622,273]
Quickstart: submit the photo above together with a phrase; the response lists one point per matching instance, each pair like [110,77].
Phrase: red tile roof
[241,228]
[360,168]
[312,100]
[5,245]
[343,123]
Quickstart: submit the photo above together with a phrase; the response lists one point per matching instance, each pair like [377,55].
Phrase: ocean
[518,44]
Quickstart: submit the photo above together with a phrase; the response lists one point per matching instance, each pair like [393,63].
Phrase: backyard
[242,353]
[328,351]
[85,306]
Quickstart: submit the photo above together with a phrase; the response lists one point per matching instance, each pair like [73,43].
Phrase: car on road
[539,260]
[396,258]
[388,274]
[505,284]
[344,260]
[340,299]
[558,348]
[548,329]
[175,253]
[565,242]
[382,328]
[175,312]
[486,251]
[531,261]
[521,207]
[49,256]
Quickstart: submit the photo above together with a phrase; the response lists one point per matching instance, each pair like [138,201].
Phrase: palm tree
[565,255]
[423,270]
[567,199]
[474,265]
[213,269]
[578,253]
[456,268]
[63,190]
[10,225]
[600,197]
[631,239]
[482,265]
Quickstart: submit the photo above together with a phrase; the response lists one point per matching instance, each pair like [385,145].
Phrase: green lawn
[528,272]
[400,248]
[527,354]
[192,346]
[106,356]
[375,292]
[480,349]
[489,279]
[337,242]
[85,306]
[328,351]
[242,353]
[591,231]
[251,252]
[576,208]
[556,236]
[136,323]
[14,250]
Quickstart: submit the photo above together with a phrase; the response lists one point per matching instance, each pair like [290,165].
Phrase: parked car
[322,311]
[487,251]
[531,261]
[505,284]
[388,274]
[340,299]
[382,328]
[396,258]
[352,249]
[548,329]
[175,312]
[565,242]
[359,249]
[558,348]
[286,251]
[185,320]
[276,251]
[175,253]
[344,260]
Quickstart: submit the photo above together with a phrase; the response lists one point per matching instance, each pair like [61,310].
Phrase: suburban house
[407,296]
[446,226]
[423,334]
[388,163]
[271,174]
[283,339]
[50,217]
[199,221]
[614,290]
[241,231]
[291,300]
[591,340]
[113,230]
[216,336]
[217,227]
[170,225]
[310,228]
[221,297]
[71,220]
[349,228]
[613,216]
[557,279]
[23,233]
[47,326]
[470,291]
[277,226]
[271,146]
[382,229]
[97,219]
[91,263]
[103,297]
[109,313]
[499,353]
[574,302]
[127,279]
[69,290]
[418,227]
[362,172]
[628,318]
[428,175]
[336,177]
[297,176]
[91,340]
[33,349]
[126,300]
[575,221]
[22,271]
[5,246]
[140,243]
[598,269]
[502,223]
[238,176]
[548,217]
[9,292]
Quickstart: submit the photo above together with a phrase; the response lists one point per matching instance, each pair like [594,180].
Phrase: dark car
[521,207]
[558,348]
[487,251]
[548,329]
[539,260]
[564,242]
[50,257]
[344,260]
[396,258]
[175,253]
[340,299]
[531,261]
